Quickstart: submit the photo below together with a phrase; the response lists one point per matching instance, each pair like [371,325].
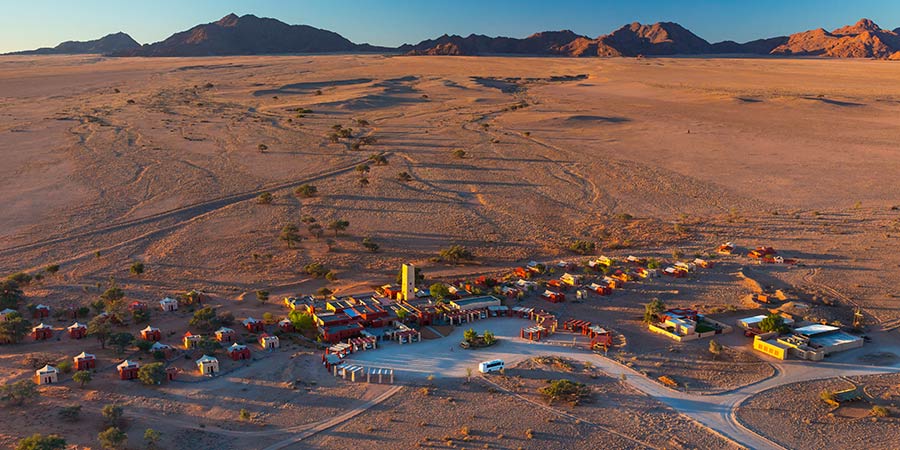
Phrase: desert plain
[110,161]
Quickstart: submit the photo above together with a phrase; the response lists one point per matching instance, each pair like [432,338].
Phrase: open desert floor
[110,161]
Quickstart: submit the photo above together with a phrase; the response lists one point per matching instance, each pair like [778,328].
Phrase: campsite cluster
[403,313]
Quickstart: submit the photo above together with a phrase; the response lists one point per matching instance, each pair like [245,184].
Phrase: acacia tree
[715,348]
[338,225]
[10,294]
[13,329]
[290,234]
[99,328]
[153,373]
[653,309]
[772,322]
[82,377]
[439,291]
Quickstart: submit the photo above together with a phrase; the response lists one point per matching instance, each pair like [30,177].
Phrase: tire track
[183,215]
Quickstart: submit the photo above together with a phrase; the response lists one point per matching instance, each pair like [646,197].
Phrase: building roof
[249,320]
[159,346]
[48,369]
[8,311]
[126,364]
[84,355]
[776,343]
[76,325]
[834,339]
[168,300]
[42,326]
[338,328]
[207,359]
[816,328]
[224,330]
[236,347]
[150,329]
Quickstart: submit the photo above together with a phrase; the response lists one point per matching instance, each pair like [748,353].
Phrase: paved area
[444,358]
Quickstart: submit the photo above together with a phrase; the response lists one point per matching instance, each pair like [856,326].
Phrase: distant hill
[662,38]
[251,35]
[865,39]
[544,43]
[110,43]
[248,35]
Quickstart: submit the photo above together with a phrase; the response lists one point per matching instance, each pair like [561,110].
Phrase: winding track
[716,412]
[182,215]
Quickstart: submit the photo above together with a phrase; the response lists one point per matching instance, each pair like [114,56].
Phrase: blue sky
[37,23]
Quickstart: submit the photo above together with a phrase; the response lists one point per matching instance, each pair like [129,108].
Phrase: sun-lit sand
[109,161]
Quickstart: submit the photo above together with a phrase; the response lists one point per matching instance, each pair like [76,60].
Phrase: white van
[491,366]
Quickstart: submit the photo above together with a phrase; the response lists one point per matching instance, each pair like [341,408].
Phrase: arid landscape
[166,163]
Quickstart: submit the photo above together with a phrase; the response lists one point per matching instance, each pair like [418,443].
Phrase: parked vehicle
[491,366]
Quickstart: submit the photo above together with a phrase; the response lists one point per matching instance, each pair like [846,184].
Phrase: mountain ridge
[252,35]
[107,44]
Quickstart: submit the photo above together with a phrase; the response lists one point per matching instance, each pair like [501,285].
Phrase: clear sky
[26,24]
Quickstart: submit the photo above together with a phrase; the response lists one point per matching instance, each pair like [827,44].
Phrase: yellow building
[770,347]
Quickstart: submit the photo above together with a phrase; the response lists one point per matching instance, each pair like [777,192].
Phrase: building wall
[769,349]
[408,282]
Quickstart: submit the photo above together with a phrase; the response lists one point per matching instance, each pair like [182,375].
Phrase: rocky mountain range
[251,35]
[110,43]
[248,35]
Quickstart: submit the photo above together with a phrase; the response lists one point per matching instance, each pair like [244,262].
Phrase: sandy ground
[110,161]
[796,417]
[478,415]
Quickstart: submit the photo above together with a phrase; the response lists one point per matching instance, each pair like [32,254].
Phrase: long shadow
[835,102]
[607,119]
[305,88]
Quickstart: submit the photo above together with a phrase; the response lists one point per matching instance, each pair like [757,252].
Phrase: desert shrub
[316,269]
[456,253]
[370,245]
[113,438]
[51,269]
[18,392]
[265,198]
[137,268]
[459,153]
[582,247]
[70,413]
[153,373]
[65,366]
[112,414]
[879,411]
[244,415]
[404,176]
[38,441]
[262,296]
[306,191]
[262,148]
[567,390]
